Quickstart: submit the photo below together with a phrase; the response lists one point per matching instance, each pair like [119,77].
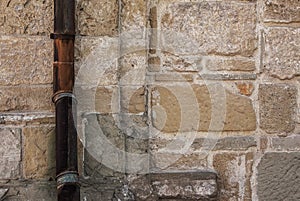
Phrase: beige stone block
[96,61]
[282,59]
[133,99]
[106,99]
[277,103]
[282,11]
[39,152]
[216,64]
[198,108]
[177,63]
[25,60]
[217,28]
[245,88]
[26,17]
[97,17]
[235,171]
[133,14]
[10,153]
[31,98]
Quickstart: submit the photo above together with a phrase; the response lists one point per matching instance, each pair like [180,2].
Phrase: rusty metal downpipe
[68,188]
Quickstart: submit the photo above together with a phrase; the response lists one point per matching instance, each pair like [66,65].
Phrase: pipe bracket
[63,94]
[68,177]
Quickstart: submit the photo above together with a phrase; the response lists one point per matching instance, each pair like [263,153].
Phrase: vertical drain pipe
[63,82]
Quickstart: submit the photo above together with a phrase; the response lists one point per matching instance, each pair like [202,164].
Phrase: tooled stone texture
[25,60]
[282,10]
[26,17]
[218,28]
[282,59]
[277,107]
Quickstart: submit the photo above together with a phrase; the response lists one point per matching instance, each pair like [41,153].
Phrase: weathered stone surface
[291,143]
[132,69]
[26,98]
[171,62]
[39,152]
[26,17]
[174,77]
[174,185]
[215,64]
[104,145]
[30,190]
[223,76]
[106,100]
[218,28]
[282,11]
[277,107]
[245,88]
[97,18]
[10,153]
[193,185]
[188,108]
[235,171]
[96,61]
[278,176]
[281,52]
[25,118]
[227,143]
[133,99]
[133,14]
[33,66]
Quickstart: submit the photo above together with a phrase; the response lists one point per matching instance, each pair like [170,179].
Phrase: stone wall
[163,86]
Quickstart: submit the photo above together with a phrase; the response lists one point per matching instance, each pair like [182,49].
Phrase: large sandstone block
[39,152]
[282,59]
[235,171]
[277,107]
[10,153]
[25,60]
[278,176]
[198,108]
[97,18]
[217,28]
[26,98]
[133,14]
[26,17]
[282,11]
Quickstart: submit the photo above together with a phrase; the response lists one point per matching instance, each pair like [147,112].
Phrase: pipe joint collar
[68,177]
[60,95]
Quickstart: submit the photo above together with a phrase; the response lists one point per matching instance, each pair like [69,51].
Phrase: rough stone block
[104,145]
[235,171]
[26,98]
[26,17]
[96,61]
[281,52]
[106,100]
[218,28]
[30,190]
[10,153]
[277,107]
[97,18]
[39,152]
[133,99]
[175,185]
[291,143]
[134,14]
[190,108]
[172,62]
[216,64]
[281,11]
[25,60]
[245,88]
[278,176]
[227,143]
[132,69]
